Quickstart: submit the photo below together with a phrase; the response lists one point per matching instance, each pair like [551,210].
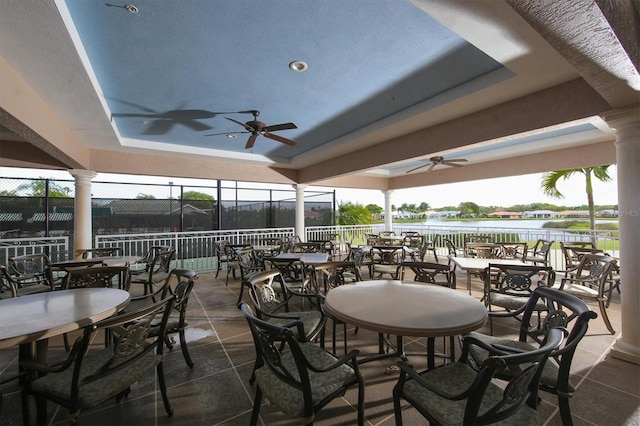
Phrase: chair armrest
[351,356]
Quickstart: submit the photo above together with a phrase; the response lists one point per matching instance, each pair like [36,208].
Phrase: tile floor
[216,391]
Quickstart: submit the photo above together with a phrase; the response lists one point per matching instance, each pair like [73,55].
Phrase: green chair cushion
[289,399]
[514,302]
[98,391]
[455,378]
[550,371]
[311,320]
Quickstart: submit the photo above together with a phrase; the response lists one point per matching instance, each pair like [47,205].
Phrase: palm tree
[550,180]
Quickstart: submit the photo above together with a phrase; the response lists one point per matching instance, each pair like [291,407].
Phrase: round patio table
[406,309]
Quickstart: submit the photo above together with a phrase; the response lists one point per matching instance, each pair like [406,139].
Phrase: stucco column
[626,124]
[299,225]
[82,211]
[388,217]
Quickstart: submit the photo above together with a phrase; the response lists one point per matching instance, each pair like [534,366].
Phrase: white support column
[626,123]
[299,226]
[388,216]
[82,211]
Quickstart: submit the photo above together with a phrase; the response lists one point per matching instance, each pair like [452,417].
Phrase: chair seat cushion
[455,378]
[289,399]
[512,303]
[158,277]
[98,391]
[581,291]
[549,377]
[311,321]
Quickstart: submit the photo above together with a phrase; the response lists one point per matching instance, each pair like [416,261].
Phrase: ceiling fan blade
[430,168]
[280,139]
[447,163]
[251,141]
[248,128]
[451,163]
[418,168]
[282,126]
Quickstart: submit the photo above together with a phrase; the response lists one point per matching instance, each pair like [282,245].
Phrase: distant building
[448,213]
[540,214]
[574,214]
[607,213]
[506,215]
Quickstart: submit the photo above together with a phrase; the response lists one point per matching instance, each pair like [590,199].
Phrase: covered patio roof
[513,87]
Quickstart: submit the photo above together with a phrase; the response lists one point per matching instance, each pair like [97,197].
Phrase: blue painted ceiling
[174,70]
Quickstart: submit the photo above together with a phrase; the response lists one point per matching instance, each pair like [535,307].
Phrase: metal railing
[196,250]
[57,248]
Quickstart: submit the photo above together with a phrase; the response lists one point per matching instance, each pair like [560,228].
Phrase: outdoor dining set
[298,298]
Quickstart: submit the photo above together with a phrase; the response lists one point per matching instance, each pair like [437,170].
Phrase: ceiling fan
[435,161]
[256,128]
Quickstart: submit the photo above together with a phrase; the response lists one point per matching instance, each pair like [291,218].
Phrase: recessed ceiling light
[298,66]
[131,8]
[231,135]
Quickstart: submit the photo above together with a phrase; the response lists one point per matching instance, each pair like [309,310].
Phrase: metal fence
[37,208]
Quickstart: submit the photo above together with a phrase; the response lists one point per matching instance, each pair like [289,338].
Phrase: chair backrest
[451,247]
[8,287]
[522,371]
[329,275]
[596,267]
[513,251]
[410,233]
[102,252]
[478,239]
[161,265]
[29,265]
[358,255]
[308,247]
[290,269]
[516,280]
[151,254]
[99,276]
[482,250]
[413,241]
[372,239]
[267,291]
[387,255]
[564,310]
[248,261]
[542,248]
[181,282]
[132,341]
[271,343]
[431,273]
[387,234]
[570,251]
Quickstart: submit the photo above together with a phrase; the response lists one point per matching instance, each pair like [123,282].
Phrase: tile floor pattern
[216,391]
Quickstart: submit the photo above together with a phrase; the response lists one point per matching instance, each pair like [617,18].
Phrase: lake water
[514,223]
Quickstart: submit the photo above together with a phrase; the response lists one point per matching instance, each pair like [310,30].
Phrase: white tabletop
[307,258]
[479,264]
[406,309]
[40,316]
